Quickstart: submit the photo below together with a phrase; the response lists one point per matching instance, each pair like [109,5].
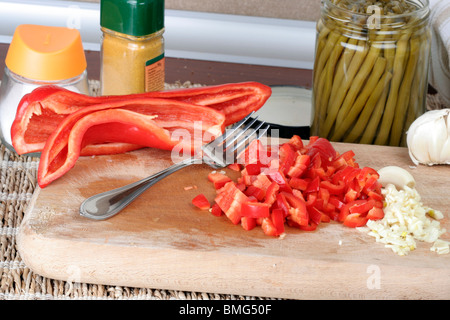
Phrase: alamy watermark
[374,21]
[263,150]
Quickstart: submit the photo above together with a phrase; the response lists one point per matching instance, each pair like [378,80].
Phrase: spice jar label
[154,74]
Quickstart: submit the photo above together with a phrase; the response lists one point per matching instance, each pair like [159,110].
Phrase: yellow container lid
[46,53]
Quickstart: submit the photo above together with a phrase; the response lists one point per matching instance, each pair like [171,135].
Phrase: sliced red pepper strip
[116,122]
[287,157]
[282,204]
[59,158]
[278,220]
[309,227]
[271,193]
[345,211]
[255,210]
[355,220]
[333,188]
[362,208]
[40,111]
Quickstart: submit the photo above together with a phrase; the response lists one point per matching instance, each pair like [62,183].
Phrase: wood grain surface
[162,241]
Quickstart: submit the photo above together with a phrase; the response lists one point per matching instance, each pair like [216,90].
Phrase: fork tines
[226,148]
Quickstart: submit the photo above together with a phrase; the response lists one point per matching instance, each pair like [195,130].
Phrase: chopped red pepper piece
[269,228]
[363,207]
[201,202]
[313,185]
[230,200]
[271,193]
[296,142]
[282,204]
[297,183]
[218,179]
[375,213]
[253,191]
[215,210]
[40,112]
[262,181]
[345,211]
[248,223]
[315,215]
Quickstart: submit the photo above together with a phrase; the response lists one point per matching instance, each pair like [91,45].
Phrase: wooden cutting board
[161,241]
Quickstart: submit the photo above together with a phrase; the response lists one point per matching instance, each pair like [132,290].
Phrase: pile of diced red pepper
[301,186]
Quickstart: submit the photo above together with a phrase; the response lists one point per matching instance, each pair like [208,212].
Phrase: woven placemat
[18,182]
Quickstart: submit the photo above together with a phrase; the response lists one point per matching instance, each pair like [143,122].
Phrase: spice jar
[39,55]
[370,70]
[132,51]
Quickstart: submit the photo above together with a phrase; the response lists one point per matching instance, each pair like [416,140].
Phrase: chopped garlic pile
[407,220]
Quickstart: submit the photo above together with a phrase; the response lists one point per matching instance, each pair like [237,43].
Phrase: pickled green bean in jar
[371,70]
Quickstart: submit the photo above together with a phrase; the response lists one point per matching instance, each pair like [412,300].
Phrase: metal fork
[218,153]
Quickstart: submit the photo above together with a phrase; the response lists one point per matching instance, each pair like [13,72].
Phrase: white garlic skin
[428,138]
[396,176]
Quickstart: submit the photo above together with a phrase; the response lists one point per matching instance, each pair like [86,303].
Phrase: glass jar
[370,73]
[132,50]
[39,55]
[14,87]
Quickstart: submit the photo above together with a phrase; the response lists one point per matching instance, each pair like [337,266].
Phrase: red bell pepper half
[40,111]
[147,122]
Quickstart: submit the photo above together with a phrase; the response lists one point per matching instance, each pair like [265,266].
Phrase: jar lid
[132,17]
[46,53]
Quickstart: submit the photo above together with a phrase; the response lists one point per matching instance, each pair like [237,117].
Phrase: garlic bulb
[428,138]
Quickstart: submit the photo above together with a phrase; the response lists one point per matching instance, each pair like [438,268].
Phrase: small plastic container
[39,55]
[132,51]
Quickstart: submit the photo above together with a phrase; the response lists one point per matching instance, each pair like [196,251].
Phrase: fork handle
[107,204]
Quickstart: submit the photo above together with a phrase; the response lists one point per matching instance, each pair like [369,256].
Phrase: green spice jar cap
[132,17]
